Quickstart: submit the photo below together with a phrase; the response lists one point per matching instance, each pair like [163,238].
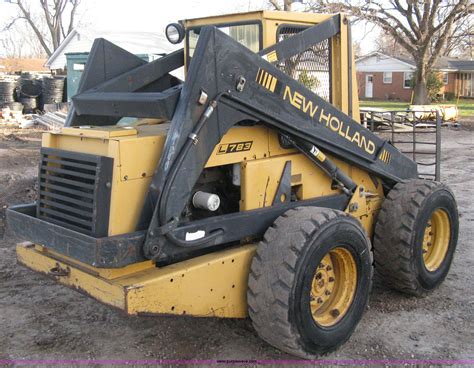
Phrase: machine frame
[226,85]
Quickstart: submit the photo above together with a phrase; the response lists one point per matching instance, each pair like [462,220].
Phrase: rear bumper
[212,285]
[107,252]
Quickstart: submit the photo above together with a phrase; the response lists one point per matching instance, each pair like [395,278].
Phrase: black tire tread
[268,301]
[395,227]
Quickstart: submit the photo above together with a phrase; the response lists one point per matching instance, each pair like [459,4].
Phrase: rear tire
[416,236]
[310,281]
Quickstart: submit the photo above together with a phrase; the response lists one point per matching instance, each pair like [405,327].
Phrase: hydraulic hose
[322,161]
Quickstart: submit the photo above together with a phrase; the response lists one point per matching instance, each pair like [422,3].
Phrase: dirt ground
[42,320]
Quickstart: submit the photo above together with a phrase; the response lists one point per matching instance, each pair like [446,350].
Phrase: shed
[80,40]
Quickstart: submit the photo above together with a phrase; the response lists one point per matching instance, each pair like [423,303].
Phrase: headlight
[174,33]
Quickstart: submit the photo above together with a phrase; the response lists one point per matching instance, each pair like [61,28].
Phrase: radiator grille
[74,190]
[311,67]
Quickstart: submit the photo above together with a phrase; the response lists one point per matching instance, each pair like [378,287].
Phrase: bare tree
[388,45]
[33,47]
[356,49]
[58,16]
[281,5]
[461,40]
[415,24]
[421,27]
[11,47]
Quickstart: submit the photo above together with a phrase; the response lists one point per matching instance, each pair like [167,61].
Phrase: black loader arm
[242,85]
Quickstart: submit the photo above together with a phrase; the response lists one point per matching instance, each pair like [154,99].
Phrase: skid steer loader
[249,189]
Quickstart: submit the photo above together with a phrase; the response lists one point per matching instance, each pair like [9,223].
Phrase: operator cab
[316,68]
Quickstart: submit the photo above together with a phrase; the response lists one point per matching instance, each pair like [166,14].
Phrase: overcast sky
[154,15]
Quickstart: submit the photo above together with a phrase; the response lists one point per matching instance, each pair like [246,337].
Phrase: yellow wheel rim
[436,240]
[333,287]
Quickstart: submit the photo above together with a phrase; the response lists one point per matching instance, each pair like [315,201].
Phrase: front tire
[310,280]
[416,236]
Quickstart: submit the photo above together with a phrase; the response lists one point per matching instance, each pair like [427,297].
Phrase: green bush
[309,81]
[434,82]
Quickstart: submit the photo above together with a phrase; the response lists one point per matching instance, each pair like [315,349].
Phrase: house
[383,77]
[80,40]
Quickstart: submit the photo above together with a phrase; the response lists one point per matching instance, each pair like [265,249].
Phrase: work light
[174,33]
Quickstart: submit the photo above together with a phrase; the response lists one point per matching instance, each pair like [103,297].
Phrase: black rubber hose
[320,159]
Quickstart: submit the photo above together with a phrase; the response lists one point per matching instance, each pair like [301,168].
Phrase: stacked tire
[7,93]
[29,93]
[53,90]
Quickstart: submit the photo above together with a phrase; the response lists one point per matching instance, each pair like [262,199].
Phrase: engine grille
[74,190]
[312,67]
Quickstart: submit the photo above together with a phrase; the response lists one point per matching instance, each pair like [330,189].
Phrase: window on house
[407,77]
[445,78]
[387,77]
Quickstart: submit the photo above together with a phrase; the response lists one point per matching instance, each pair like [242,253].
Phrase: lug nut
[335,313]
[327,292]
[331,279]
[319,300]
[328,268]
